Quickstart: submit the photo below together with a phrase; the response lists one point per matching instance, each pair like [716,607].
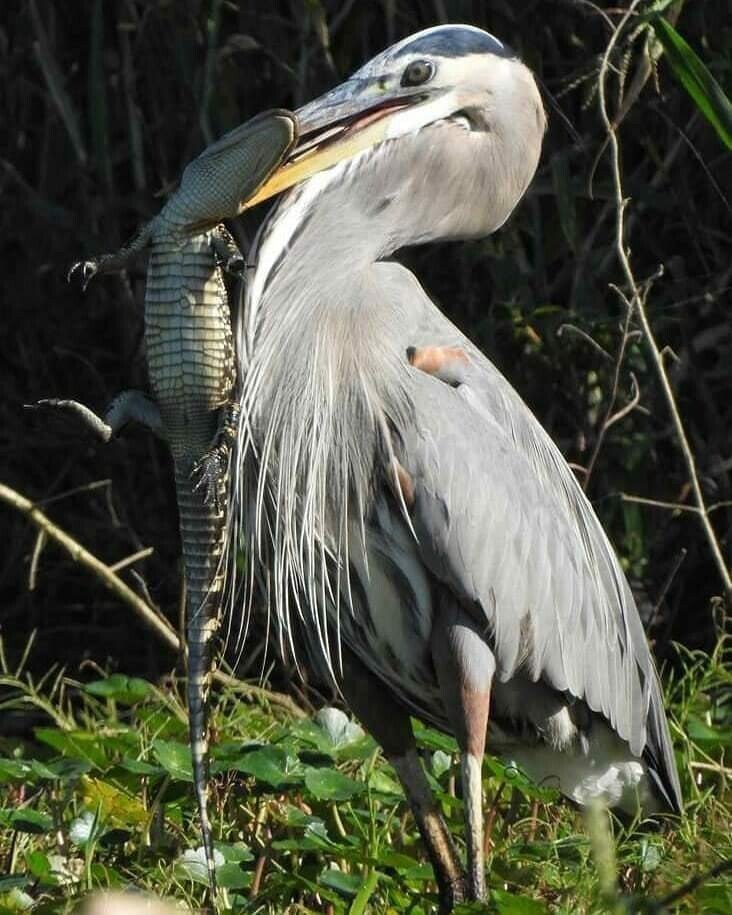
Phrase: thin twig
[81,555]
[281,700]
[134,557]
[607,419]
[638,304]
[695,882]
[147,614]
[35,559]
[656,503]
[666,586]
[628,408]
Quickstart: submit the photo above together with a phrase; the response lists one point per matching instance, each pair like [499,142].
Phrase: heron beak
[329,134]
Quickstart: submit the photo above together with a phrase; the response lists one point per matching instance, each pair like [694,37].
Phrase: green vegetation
[307,810]
[102,108]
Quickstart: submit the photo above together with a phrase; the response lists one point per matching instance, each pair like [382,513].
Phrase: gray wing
[501,519]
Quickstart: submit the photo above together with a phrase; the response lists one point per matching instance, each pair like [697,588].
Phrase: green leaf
[705,91]
[39,865]
[84,745]
[331,785]
[270,765]
[15,881]
[347,884]
[234,853]
[714,899]
[382,783]
[127,690]
[123,808]
[709,737]
[27,820]
[61,769]
[192,864]
[232,877]
[510,904]
[11,769]
[434,740]
[175,758]
[140,767]
[337,727]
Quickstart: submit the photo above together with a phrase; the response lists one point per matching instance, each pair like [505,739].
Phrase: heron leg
[389,724]
[465,667]
[448,363]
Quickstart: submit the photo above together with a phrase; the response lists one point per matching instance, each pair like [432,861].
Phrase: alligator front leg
[128,406]
[110,263]
[210,471]
[227,251]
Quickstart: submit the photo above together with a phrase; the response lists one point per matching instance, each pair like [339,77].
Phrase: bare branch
[144,611]
[134,557]
[638,304]
[102,571]
[655,503]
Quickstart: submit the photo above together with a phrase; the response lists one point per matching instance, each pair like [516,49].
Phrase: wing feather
[500,517]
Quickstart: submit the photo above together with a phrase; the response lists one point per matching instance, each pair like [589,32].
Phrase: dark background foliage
[103,102]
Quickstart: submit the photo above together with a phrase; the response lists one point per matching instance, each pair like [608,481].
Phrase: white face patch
[282,228]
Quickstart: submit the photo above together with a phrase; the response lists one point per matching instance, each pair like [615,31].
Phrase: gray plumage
[418,529]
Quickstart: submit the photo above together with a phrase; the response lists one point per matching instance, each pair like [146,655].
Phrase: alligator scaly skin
[192,372]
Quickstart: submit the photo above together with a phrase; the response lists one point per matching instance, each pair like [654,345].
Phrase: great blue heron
[400,505]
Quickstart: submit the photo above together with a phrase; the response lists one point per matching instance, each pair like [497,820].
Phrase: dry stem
[638,304]
[106,574]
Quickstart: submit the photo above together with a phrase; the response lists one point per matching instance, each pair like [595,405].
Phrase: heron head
[449,122]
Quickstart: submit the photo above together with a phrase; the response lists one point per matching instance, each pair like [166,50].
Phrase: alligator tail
[201,527]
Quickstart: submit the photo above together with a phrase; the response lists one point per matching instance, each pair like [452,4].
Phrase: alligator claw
[235,265]
[208,474]
[88,270]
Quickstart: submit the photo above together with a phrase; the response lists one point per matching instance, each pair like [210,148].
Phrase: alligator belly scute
[189,342]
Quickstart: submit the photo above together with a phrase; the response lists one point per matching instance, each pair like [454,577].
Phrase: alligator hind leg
[128,406]
[209,472]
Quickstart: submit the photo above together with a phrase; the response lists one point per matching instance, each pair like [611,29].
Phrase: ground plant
[605,301]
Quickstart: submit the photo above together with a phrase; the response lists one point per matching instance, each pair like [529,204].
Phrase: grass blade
[358,906]
[707,94]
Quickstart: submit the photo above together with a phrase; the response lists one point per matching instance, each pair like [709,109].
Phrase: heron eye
[418,72]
